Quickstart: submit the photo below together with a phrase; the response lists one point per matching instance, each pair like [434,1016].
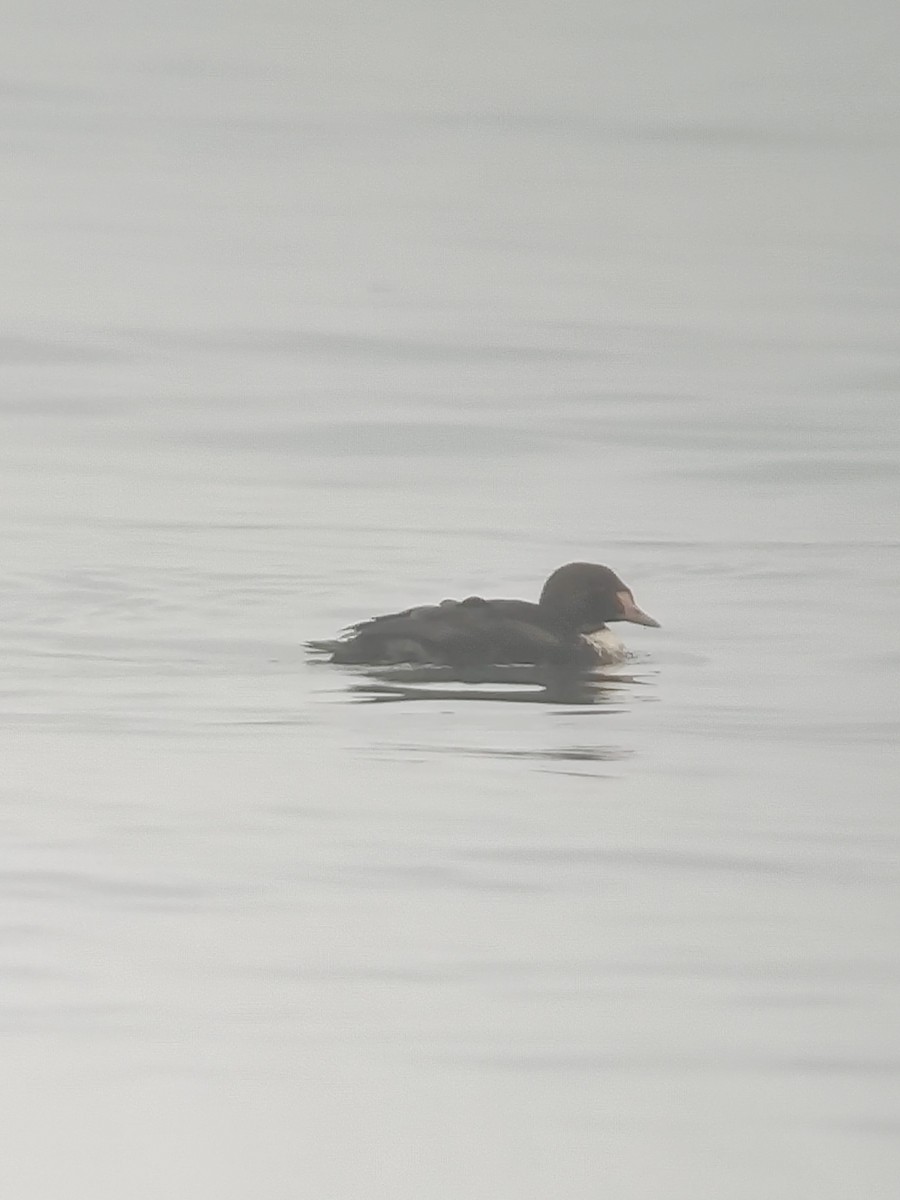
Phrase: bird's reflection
[509,684]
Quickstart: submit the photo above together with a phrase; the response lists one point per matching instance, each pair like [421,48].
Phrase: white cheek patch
[607,645]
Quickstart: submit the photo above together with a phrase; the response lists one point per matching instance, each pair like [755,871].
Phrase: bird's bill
[631,612]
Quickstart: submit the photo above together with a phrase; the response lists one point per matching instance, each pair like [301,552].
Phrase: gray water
[315,310]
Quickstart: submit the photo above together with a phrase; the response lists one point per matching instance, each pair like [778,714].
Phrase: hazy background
[313,309]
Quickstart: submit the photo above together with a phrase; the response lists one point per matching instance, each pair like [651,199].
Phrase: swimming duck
[566,627]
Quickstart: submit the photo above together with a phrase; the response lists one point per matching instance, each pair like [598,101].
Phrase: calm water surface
[313,312]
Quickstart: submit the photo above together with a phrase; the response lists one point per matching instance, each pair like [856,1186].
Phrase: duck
[566,627]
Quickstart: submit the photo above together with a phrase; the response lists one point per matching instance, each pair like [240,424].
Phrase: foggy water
[312,311]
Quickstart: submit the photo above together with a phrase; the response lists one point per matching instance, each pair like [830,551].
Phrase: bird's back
[454,633]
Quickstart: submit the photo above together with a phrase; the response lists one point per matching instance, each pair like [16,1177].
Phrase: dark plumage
[577,600]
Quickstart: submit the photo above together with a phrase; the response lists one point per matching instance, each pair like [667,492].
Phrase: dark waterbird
[564,628]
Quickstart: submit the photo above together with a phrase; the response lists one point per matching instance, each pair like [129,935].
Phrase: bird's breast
[607,645]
